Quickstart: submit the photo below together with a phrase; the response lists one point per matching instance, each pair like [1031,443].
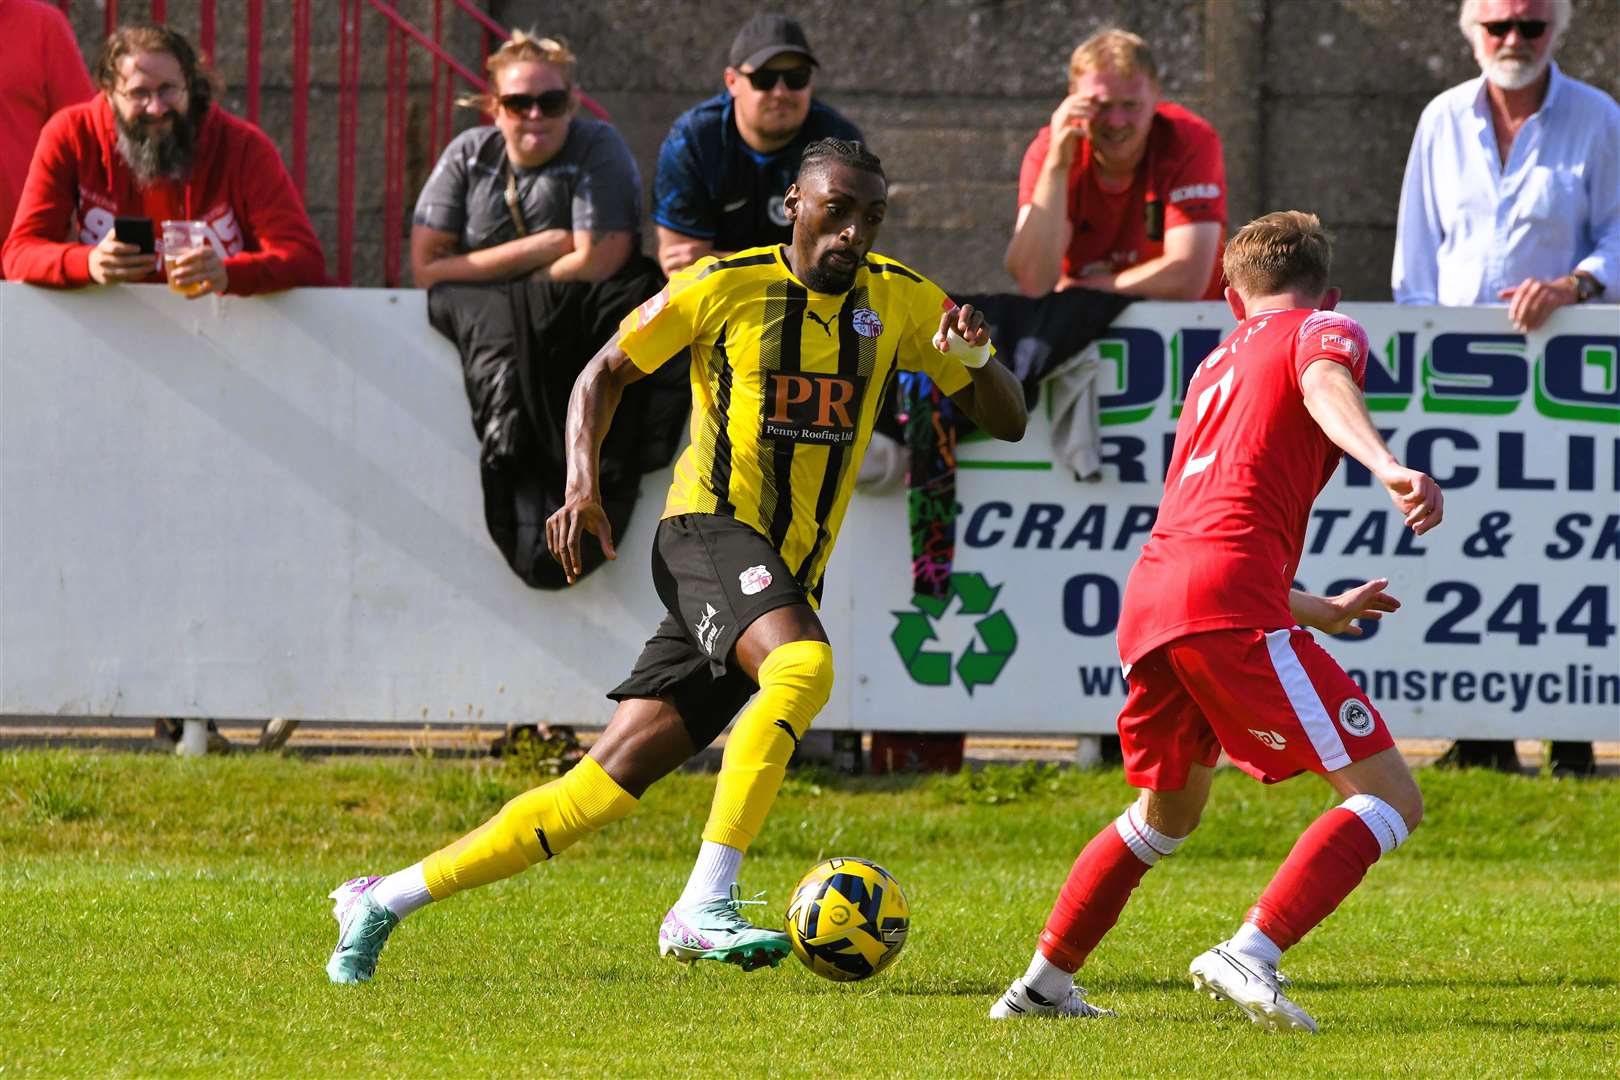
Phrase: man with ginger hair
[1122,191]
[1211,638]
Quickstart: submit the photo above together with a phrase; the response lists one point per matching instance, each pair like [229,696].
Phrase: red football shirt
[1248,462]
[1181,179]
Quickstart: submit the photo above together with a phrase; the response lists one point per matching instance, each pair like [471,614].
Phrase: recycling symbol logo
[992,645]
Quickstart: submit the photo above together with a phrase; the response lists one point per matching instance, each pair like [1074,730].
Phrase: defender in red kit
[1211,637]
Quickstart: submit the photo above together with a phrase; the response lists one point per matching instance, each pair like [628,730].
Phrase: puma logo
[825,324]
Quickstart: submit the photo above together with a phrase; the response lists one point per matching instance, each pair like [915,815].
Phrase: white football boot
[1252,986]
[1021,1001]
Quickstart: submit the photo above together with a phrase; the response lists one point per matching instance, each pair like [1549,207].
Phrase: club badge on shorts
[1356,718]
[866,322]
[754,579]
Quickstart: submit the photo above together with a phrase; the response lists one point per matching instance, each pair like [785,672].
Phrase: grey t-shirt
[592,184]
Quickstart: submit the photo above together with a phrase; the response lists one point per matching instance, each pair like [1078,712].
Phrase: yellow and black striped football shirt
[786,385]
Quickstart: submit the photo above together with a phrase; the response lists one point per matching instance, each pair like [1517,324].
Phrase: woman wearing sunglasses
[541,191]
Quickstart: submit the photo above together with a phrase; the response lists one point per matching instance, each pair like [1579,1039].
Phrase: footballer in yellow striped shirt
[792,348]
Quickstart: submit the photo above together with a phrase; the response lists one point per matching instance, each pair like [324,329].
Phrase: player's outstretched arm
[1336,404]
[1338,614]
[590,411]
[994,399]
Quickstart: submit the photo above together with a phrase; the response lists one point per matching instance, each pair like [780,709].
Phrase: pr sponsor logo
[812,408]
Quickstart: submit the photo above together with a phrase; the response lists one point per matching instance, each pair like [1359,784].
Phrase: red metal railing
[401,36]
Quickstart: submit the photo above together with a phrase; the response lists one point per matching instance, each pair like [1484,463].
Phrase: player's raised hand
[1338,614]
[566,529]
[1416,496]
[963,334]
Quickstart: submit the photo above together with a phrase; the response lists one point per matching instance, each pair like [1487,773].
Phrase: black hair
[842,151]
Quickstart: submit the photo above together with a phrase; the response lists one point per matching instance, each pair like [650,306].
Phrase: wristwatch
[1587,287]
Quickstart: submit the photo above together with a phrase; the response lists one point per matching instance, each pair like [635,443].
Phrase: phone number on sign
[1463,612]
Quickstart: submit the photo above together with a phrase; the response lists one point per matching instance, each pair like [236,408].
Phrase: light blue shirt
[1471,226]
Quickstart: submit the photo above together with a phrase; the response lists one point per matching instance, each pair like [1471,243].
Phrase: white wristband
[973,356]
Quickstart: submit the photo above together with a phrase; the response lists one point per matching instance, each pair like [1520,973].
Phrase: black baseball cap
[765,36]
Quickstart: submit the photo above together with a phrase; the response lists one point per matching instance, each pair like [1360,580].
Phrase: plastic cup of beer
[180,237]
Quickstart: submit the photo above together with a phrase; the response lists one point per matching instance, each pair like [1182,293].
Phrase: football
[848,919]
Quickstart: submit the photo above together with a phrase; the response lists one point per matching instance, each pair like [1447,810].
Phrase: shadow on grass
[1433,982]
[1424,1025]
[1131,983]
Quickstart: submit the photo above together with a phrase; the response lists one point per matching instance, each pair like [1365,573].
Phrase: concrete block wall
[1315,100]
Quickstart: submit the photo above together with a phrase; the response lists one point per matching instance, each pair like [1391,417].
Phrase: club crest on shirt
[866,322]
[754,579]
[1355,718]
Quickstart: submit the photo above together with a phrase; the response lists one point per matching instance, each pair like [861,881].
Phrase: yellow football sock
[795,681]
[532,827]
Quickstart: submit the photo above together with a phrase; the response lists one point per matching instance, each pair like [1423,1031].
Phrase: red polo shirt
[1182,180]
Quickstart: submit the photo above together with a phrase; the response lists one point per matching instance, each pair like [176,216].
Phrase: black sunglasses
[797,78]
[551,103]
[1529,29]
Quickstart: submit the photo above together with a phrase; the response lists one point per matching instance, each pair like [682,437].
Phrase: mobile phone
[137,231]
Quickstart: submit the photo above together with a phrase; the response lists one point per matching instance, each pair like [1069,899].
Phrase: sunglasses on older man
[1529,29]
[797,78]
[552,103]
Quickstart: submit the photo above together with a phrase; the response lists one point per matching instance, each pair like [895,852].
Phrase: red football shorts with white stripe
[1275,701]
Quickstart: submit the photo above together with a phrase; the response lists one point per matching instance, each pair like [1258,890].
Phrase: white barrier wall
[1508,625]
[244,508]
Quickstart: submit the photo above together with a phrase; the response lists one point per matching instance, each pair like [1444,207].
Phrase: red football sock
[1090,901]
[1328,861]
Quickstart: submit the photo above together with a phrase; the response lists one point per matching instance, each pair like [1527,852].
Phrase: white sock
[403,891]
[713,875]
[1048,980]
[1381,819]
[1146,843]
[1250,942]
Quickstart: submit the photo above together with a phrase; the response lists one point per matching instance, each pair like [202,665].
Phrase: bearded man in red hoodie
[154,145]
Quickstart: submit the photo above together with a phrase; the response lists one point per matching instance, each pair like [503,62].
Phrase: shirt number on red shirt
[1211,405]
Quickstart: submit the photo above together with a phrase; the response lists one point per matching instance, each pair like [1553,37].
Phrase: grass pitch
[163,916]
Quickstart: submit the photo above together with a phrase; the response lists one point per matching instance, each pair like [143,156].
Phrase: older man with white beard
[1512,195]
[1512,190]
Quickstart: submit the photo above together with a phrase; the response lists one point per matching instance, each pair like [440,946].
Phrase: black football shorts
[715,576]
